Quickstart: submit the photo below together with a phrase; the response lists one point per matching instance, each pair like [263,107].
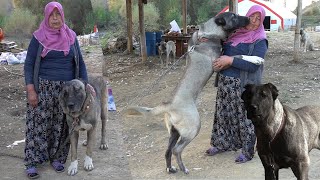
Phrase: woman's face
[55,19]
[255,20]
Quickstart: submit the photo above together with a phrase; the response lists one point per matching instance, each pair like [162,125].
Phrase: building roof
[278,11]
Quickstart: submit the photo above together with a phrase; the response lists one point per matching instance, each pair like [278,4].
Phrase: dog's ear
[220,21]
[90,89]
[247,93]
[194,39]
[274,90]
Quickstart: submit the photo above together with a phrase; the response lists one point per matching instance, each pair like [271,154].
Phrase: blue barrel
[151,43]
[159,36]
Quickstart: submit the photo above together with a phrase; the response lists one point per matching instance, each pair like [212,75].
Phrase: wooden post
[129,25]
[233,6]
[230,5]
[184,16]
[142,33]
[297,33]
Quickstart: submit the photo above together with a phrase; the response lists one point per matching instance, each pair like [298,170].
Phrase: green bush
[89,23]
[174,14]
[21,22]
[101,16]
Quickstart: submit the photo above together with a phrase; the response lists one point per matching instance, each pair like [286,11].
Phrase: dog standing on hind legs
[182,117]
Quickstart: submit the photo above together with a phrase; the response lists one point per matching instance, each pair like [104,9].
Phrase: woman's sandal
[32,173]
[212,151]
[58,167]
[242,159]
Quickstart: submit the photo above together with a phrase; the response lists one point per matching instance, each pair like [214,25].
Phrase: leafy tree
[151,17]
[35,6]
[77,11]
[20,22]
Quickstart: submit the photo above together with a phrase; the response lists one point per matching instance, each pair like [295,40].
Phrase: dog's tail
[145,111]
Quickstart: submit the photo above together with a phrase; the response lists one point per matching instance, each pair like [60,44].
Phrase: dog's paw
[88,165]
[104,146]
[73,168]
[172,169]
[186,171]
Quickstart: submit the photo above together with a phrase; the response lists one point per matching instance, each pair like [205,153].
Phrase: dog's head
[301,31]
[258,100]
[222,25]
[161,45]
[73,96]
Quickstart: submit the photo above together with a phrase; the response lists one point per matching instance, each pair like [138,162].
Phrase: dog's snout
[70,105]
[246,20]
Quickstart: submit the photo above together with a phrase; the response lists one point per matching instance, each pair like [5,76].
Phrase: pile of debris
[9,46]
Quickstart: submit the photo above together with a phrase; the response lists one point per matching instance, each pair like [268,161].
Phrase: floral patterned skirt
[46,127]
[231,128]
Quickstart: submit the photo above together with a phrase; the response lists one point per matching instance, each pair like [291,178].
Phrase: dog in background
[168,48]
[161,50]
[181,115]
[306,42]
[85,105]
[285,136]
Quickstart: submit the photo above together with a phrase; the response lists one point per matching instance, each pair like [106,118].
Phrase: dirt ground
[137,145]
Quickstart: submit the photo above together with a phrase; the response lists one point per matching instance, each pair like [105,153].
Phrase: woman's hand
[221,63]
[32,95]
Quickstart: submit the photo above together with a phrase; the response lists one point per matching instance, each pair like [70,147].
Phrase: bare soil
[137,145]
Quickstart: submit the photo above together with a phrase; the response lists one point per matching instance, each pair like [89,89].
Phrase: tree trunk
[142,33]
[129,25]
[184,16]
[233,6]
[296,48]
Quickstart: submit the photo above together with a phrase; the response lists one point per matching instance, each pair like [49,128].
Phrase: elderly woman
[231,128]
[53,58]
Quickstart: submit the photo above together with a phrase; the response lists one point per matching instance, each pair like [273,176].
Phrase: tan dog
[85,105]
[168,48]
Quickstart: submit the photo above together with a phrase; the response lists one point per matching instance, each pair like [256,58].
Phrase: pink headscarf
[52,39]
[243,35]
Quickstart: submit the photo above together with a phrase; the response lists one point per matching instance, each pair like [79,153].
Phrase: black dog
[284,136]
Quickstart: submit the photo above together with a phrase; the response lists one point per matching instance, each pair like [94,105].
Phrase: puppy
[85,105]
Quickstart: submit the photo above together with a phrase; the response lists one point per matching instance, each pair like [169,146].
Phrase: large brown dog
[183,117]
[85,105]
[284,136]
